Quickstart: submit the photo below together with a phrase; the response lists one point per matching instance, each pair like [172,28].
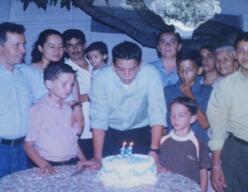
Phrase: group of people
[78,110]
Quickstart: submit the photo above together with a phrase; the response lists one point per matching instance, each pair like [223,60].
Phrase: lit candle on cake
[130,149]
[123,148]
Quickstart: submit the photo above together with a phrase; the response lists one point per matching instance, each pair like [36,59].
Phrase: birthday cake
[128,170]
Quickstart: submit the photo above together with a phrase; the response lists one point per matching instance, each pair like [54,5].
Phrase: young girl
[181,151]
[51,140]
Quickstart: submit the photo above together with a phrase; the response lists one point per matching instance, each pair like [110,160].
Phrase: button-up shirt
[168,78]
[121,106]
[14,103]
[228,109]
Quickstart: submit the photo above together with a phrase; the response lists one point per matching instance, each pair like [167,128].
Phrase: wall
[36,20]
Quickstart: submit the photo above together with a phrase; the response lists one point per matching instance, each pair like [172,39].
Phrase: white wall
[35,20]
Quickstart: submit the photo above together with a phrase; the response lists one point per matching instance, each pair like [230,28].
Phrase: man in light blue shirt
[14,99]
[127,104]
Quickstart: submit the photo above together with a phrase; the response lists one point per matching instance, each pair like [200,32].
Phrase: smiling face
[181,118]
[12,50]
[168,45]
[225,63]
[53,49]
[126,69]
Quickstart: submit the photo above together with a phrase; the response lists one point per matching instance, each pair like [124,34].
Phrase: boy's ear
[200,71]
[193,119]
[49,84]
[105,56]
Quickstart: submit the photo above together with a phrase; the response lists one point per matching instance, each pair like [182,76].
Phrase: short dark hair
[208,47]
[73,33]
[98,46]
[36,54]
[190,54]
[9,27]
[189,103]
[242,36]
[126,50]
[54,69]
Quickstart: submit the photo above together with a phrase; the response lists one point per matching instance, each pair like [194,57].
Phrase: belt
[69,162]
[238,140]
[11,142]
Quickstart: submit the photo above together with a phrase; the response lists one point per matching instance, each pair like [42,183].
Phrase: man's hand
[218,179]
[77,118]
[155,156]
[92,164]
[186,90]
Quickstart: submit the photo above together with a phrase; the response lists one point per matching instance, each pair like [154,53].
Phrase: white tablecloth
[30,181]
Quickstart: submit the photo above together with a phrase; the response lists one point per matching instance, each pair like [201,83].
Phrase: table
[30,181]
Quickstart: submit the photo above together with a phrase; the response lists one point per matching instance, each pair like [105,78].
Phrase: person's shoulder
[229,81]
[206,88]
[172,87]
[104,74]
[155,62]
[148,68]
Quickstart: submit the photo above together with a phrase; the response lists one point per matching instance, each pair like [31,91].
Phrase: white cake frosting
[128,170]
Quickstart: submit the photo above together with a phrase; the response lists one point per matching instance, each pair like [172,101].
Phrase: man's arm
[217,175]
[98,141]
[204,180]
[156,134]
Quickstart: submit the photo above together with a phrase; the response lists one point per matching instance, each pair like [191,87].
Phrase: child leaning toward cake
[181,151]
[51,140]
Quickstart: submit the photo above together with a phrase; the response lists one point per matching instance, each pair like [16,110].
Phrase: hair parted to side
[126,50]
[54,69]
[36,54]
[9,27]
[190,104]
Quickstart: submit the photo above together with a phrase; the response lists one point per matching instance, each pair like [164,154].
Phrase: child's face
[53,49]
[187,71]
[96,58]
[126,69]
[242,55]
[225,63]
[180,117]
[62,86]
[208,60]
